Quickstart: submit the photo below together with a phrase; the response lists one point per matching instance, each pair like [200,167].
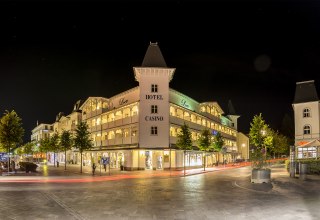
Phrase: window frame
[306,113]
[306,129]
[154,109]
[154,130]
[154,88]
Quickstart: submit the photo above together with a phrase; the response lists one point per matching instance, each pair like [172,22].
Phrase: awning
[313,143]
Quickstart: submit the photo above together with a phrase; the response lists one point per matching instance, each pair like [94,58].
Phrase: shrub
[28,166]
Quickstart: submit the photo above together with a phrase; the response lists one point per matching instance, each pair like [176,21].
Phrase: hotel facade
[138,128]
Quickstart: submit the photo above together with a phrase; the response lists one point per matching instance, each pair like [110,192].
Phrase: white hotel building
[306,108]
[138,128]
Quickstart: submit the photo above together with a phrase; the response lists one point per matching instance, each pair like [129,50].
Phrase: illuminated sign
[184,103]
[154,97]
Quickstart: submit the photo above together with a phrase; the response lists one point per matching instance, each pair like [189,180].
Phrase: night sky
[53,53]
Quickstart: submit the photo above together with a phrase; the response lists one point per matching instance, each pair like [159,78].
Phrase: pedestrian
[105,167]
[93,168]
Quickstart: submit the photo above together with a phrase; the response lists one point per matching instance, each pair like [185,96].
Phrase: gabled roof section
[305,92]
[153,57]
[77,105]
[92,97]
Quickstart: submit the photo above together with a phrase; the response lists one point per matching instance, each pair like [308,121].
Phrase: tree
[287,128]
[82,140]
[261,139]
[66,142]
[27,148]
[11,132]
[217,144]
[45,146]
[205,143]
[280,144]
[184,142]
[54,146]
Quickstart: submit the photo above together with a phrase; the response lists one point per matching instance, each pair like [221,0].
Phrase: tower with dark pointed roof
[232,115]
[154,77]
[306,113]
[153,57]
[305,92]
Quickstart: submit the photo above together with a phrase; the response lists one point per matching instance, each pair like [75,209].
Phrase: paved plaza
[217,193]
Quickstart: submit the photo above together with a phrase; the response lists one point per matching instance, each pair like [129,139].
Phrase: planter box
[260,175]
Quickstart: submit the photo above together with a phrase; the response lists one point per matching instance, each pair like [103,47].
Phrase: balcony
[119,141]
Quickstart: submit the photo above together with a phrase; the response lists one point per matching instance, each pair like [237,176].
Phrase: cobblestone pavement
[227,194]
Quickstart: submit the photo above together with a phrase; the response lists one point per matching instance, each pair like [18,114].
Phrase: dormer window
[306,113]
[307,129]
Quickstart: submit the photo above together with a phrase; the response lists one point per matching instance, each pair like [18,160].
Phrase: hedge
[313,165]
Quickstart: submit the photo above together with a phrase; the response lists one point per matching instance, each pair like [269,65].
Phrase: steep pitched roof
[231,110]
[153,57]
[305,92]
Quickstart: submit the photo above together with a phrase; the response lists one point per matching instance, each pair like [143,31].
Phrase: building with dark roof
[138,128]
[307,119]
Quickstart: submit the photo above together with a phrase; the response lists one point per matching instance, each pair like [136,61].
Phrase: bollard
[303,171]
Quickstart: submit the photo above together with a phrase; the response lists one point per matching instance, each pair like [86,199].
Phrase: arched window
[306,113]
[307,129]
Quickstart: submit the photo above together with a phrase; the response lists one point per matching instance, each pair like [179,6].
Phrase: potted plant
[260,138]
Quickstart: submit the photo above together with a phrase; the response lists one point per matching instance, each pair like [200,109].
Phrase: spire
[153,57]
[231,110]
[305,92]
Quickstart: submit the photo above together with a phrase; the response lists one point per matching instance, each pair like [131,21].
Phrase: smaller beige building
[243,146]
[306,108]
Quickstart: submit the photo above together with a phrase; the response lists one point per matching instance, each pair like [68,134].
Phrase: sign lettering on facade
[154,97]
[153,118]
[123,101]
[184,103]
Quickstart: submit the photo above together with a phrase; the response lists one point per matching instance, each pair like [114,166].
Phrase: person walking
[93,168]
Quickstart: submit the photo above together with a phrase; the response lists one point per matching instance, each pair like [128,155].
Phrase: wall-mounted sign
[154,97]
[153,118]
[184,103]
[123,101]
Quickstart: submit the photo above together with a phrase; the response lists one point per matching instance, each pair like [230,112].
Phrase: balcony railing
[117,141]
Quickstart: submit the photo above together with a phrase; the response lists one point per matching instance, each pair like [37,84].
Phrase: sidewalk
[280,178]
[73,171]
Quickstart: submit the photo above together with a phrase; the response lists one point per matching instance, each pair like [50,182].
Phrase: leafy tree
[287,128]
[205,143]
[11,132]
[217,144]
[82,140]
[184,142]
[66,143]
[261,138]
[45,146]
[54,146]
[28,148]
[280,144]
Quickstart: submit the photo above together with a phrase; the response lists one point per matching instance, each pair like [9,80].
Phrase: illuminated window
[306,113]
[154,109]
[154,88]
[154,130]
[307,129]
